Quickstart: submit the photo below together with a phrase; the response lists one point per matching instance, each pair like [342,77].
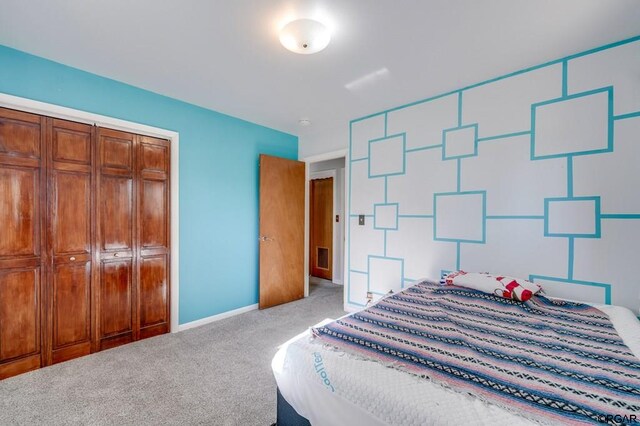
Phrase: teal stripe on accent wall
[218,173]
[548,134]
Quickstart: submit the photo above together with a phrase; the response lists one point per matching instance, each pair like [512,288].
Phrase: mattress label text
[320,370]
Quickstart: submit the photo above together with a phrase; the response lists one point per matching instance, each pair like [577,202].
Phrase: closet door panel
[116,213]
[117,151]
[154,155]
[71,145]
[19,211]
[19,321]
[71,304]
[20,134]
[153,200]
[19,313]
[115,297]
[153,291]
[22,172]
[71,218]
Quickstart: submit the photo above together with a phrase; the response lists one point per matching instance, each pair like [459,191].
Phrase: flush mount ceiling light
[305,36]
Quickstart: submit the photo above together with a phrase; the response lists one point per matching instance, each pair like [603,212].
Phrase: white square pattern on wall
[385,216]
[533,174]
[460,142]
[383,273]
[386,156]
[578,216]
[577,125]
[459,216]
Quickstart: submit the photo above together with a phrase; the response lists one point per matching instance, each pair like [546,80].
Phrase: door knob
[72,258]
[265,238]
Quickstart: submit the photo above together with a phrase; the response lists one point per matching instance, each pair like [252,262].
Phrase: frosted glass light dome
[305,36]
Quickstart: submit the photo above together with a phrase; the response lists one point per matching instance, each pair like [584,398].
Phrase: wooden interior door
[70,240]
[22,257]
[321,228]
[282,185]
[115,294]
[153,235]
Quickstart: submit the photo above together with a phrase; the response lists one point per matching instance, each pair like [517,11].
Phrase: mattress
[333,388]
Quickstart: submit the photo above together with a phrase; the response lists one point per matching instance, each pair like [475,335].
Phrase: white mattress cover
[330,388]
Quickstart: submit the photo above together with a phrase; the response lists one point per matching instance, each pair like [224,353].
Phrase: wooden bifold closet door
[70,240]
[84,242]
[132,298]
[22,257]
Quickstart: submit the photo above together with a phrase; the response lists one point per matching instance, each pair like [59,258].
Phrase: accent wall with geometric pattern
[534,174]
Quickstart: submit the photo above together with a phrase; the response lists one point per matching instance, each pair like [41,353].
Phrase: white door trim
[51,110]
[310,160]
[322,175]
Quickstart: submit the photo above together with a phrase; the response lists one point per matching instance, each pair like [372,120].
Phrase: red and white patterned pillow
[499,285]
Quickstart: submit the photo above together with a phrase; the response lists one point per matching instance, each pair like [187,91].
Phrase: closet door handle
[72,258]
[115,254]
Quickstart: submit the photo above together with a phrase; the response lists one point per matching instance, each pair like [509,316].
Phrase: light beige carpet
[217,374]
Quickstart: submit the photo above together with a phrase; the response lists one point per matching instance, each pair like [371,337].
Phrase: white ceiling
[225,54]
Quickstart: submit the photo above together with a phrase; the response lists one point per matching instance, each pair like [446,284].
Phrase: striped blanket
[549,361]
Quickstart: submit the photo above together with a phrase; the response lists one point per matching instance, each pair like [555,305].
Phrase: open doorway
[326,222]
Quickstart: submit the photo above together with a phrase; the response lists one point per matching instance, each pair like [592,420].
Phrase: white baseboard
[339,282]
[218,317]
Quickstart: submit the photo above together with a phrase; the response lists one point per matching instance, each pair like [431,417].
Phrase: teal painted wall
[218,174]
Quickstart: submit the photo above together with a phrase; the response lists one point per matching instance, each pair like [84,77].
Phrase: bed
[325,379]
